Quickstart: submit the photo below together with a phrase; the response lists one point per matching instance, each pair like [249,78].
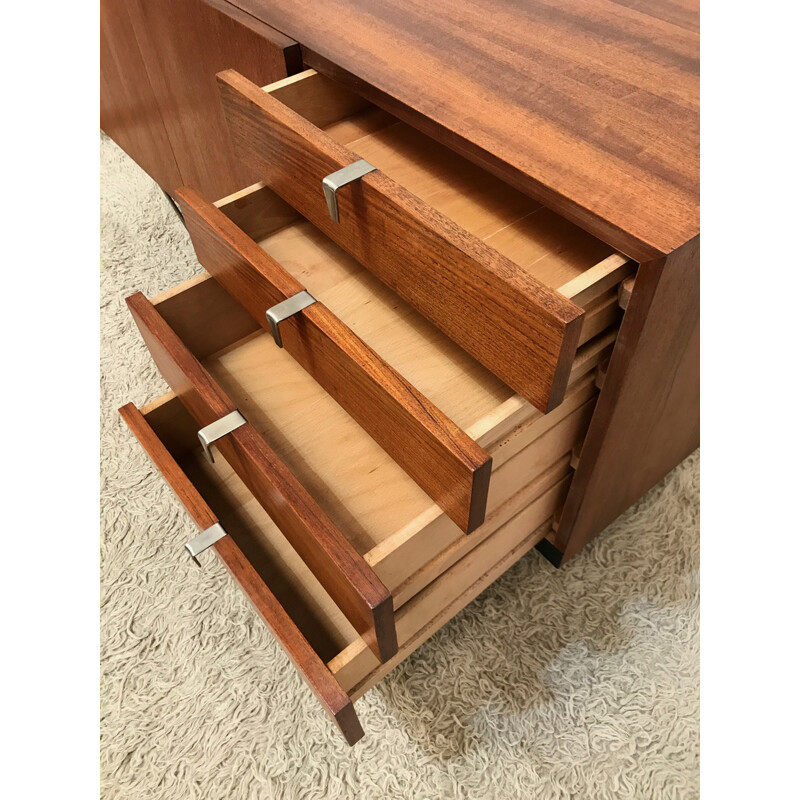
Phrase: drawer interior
[422,557]
[430,596]
[385,515]
[549,247]
[304,135]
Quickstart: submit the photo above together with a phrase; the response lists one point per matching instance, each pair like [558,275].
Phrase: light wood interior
[387,517]
[429,596]
[431,568]
[363,490]
[557,252]
[540,241]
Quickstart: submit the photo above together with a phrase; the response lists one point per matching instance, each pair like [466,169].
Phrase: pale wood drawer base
[390,531]
[425,602]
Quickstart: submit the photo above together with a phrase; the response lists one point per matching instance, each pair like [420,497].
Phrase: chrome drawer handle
[285,309]
[216,430]
[204,540]
[333,182]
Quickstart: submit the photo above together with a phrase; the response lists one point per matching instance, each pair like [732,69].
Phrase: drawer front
[446,463]
[520,329]
[388,518]
[313,669]
[344,574]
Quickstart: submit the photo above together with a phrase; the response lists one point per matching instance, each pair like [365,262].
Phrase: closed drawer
[481,262]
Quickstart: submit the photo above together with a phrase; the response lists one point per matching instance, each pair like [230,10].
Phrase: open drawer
[386,518]
[370,442]
[328,653]
[382,533]
[498,274]
[430,405]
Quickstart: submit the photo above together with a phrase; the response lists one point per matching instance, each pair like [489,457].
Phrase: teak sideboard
[450,307]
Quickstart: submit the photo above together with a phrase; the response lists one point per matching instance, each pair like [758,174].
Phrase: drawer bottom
[329,653]
[356,668]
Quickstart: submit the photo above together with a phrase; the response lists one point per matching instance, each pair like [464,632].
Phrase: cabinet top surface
[592,106]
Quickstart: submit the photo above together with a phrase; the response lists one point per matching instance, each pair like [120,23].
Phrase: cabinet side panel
[648,413]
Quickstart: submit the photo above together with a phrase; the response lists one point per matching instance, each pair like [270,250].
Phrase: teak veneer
[500,313]
[591,106]
[158,93]
[377,419]
[324,648]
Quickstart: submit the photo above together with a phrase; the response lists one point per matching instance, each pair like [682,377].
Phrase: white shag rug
[574,683]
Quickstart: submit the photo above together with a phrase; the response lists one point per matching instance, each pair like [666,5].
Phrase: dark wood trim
[449,466]
[648,414]
[333,698]
[342,571]
[523,331]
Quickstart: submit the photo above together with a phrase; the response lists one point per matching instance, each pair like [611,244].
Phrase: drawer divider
[311,667]
[342,571]
[442,459]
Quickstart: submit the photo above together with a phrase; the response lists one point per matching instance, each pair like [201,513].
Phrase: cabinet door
[129,112]
[183,44]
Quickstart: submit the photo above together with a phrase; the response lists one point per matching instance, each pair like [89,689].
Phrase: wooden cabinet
[158,94]
[129,111]
[379,471]
[409,376]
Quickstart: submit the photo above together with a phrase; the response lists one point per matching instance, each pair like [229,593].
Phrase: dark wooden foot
[550,552]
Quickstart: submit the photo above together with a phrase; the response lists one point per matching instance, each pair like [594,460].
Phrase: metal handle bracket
[285,309]
[216,430]
[204,540]
[333,182]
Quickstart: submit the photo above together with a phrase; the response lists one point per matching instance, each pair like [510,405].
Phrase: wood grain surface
[129,111]
[591,106]
[648,414]
[439,456]
[523,331]
[182,44]
[348,579]
[315,672]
